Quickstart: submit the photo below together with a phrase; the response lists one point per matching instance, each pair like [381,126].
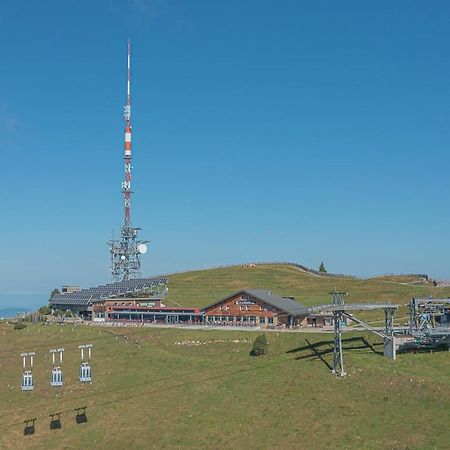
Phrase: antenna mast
[125,253]
[126,184]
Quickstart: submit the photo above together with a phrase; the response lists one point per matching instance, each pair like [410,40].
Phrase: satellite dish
[142,249]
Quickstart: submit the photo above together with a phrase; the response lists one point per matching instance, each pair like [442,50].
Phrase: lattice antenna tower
[126,252]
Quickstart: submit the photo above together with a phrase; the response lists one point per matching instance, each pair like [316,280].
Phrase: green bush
[20,325]
[259,346]
[45,310]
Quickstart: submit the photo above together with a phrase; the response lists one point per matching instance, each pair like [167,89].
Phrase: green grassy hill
[177,388]
[173,388]
[201,287]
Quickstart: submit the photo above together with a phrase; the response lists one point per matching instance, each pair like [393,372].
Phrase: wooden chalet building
[257,307]
[247,307]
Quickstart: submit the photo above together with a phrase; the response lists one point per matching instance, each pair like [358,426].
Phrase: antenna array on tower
[125,253]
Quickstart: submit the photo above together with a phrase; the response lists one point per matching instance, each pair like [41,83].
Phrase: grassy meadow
[201,287]
[186,388]
[177,388]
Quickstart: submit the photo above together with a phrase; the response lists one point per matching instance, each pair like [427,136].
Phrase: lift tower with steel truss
[126,251]
[337,299]
[342,311]
[429,323]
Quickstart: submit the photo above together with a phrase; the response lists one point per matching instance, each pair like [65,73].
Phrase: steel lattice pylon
[125,253]
[338,359]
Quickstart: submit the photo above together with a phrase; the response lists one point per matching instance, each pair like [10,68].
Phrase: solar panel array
[111,290]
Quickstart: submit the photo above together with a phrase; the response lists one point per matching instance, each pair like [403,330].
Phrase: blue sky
[262,130]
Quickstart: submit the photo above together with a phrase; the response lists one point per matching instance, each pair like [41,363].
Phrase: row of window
[251,319]
[245,308]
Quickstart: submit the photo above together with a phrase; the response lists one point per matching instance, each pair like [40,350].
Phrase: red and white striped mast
[125,253]
[126,185]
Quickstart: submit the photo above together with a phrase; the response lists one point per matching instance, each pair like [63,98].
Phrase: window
[230,318]
[247,308]
[216,318]
[245,319]
[220,307]
[242,308]
[238,318]
[270,319]
[227,308]
[262,320]
[252,318]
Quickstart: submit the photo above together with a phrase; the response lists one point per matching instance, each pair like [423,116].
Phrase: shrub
[20,325]
[259,346]
[45,310]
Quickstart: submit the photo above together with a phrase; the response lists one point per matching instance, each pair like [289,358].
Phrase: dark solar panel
[110,290]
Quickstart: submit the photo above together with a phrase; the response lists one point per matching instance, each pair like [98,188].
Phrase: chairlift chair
[27,375]
[85,373]
[56,379]
[27,381]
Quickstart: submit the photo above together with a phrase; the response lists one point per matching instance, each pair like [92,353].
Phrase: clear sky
[262,131]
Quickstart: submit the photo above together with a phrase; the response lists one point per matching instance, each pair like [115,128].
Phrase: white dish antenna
[142,249]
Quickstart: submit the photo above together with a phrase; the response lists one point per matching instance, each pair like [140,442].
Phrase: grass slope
[199,288]
[150,392]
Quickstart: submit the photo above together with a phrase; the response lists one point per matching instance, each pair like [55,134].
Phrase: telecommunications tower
[125,253]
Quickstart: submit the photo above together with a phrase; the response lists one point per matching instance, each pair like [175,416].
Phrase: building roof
[284,304]
[86,297]
[152,309]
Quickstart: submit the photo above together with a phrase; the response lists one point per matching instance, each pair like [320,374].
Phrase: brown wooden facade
[108,304]
[245,309]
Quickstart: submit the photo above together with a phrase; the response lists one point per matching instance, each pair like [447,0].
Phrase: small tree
[259,346]
[54,292]
[322,268]
[45,310]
